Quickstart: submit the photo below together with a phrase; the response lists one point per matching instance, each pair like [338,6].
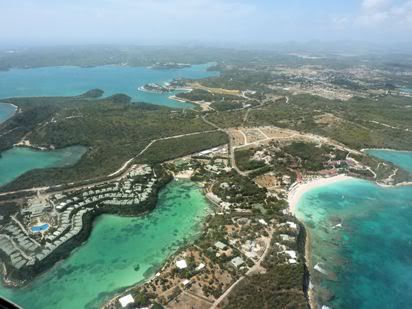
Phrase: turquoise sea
[18,160]
[68,81]
[119,253]
[400,158]
[361,238]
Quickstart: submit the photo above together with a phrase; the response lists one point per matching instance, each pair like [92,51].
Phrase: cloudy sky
[166,21]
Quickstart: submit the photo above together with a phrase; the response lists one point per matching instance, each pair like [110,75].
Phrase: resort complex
[49,221]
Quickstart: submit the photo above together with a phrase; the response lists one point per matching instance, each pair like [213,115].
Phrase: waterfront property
[67,210]
[121,251]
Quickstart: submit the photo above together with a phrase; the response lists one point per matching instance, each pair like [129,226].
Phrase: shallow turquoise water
[18,160]
[400,158]
[68,81]
[6,111]
[107,261]
[369,258]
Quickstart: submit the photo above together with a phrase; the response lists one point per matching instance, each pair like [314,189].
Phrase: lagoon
[18,160]
[70,81]
[120,252]
[360,233]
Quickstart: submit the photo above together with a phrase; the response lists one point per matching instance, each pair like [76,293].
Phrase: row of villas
[24,250]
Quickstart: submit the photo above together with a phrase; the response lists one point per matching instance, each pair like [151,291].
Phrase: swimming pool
[40,228]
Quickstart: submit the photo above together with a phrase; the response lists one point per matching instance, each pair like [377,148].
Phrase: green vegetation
[113,129]
[281,286]
[354,123]
[170,149]
[311,155]
[244,161]
[220,102]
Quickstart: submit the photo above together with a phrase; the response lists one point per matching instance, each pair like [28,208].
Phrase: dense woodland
[113,129]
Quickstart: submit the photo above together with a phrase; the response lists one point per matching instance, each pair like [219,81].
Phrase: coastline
[15,106]
[115,295]
[203,105]
[21,278]
[385,149]
[297,190]
[308,250]
[16,110]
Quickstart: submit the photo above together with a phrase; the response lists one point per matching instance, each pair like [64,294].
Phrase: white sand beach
[298,189]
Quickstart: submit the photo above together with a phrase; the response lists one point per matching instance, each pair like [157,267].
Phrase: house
[237,262]
[220,245]
[285,237]
[126,300]
[292,254]
[181,264]
[286,179]
[213,197]
[224,186]
[185,282]
[263,222]
[200,267]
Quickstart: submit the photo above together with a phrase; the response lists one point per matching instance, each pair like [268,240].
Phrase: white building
[181,264]
[125,300]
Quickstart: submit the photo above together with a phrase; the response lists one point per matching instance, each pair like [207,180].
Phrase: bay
[120,252]
[18,160]
[360,234]
[71,81]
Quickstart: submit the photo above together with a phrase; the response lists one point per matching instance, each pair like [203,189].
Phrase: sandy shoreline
[297,190]
[384,149]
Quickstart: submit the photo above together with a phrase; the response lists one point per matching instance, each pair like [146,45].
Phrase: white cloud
[375,5]
[386,14]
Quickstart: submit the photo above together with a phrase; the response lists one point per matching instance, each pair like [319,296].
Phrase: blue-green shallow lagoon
[69,81]
[18,160]
[368,258]
[107,261]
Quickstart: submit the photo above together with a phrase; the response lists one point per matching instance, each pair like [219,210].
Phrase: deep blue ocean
[361,237]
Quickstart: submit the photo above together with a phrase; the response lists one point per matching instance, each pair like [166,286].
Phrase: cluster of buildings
[289,256]
[18,246]
[65,212]
[330,83]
